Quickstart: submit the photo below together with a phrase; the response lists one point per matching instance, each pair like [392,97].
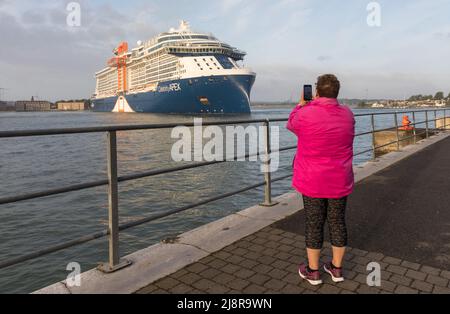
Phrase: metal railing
[112,180]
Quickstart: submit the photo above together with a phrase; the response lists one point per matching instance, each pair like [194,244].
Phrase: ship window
[199,37]
[225,62]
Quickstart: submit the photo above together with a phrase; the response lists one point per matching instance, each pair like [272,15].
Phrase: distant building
[440,103]
[378,105]
[6,106]
[71,106]
[33,105]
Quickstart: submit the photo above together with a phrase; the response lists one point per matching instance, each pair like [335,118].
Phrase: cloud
[442,35]
[280,82]
[40,49]
[324,58]
[228,6]
[288,42]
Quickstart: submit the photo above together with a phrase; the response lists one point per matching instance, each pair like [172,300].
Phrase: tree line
[438,96]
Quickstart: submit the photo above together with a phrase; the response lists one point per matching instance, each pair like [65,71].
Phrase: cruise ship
[177,72]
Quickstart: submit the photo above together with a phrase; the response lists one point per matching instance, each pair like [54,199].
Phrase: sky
[289,43]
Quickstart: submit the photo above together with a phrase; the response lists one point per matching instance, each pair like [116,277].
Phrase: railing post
[435,120]
[426,119]
[397,131]
[372,116]
[267,171]
[114,263]
[445,119]
[414,127]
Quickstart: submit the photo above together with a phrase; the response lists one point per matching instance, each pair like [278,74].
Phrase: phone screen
[308,92]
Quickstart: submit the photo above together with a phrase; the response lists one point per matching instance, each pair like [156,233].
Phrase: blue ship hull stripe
[215,94]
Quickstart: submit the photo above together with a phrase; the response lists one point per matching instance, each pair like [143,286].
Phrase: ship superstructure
[180,71]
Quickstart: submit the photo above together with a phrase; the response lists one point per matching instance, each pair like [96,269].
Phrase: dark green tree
[415,98]
[439,96]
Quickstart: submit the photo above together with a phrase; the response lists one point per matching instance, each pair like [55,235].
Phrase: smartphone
[308,92]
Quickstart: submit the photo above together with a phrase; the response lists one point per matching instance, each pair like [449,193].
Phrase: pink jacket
[323,166]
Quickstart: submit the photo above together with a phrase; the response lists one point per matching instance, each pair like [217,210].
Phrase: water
[40,163]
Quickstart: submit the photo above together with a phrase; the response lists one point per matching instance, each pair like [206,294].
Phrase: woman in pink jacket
[323,173]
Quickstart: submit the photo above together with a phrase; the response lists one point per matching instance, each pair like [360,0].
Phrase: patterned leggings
[320,210]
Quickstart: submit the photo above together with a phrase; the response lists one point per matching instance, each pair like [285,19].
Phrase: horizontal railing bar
[363,152]
[412,136]
[286,148]
[420,122]
[122,227]
[51,192]
[187,167]
[398,112]
[282,178]
[392,128]
[125,178]
[52,249]
[376,131]
[388,144]
[176,211]
[111,128]
[378,113]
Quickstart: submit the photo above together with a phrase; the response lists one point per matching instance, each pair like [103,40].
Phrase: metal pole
[445,119]
[435,120]
[267,174]
[397,131]
[373,136]
[113,209]
[426,119]
[414,127]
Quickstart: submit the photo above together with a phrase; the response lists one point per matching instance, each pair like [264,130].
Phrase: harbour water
[40,163]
